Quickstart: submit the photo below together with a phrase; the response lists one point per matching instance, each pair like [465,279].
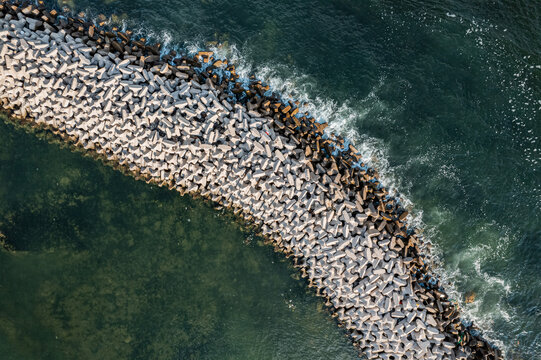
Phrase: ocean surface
[442,97]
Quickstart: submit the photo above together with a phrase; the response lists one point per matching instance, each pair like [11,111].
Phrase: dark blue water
[443,97]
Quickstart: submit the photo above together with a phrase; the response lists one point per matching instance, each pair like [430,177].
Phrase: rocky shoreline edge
[190,123]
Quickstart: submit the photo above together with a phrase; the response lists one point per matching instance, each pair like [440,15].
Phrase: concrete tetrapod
[179,126]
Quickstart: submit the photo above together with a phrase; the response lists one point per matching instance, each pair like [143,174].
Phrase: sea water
[443,97]
[97,265]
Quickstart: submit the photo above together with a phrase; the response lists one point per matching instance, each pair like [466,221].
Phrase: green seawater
[442,96]
[100,266]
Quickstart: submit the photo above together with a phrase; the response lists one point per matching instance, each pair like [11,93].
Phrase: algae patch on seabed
[4,244]
[101,266]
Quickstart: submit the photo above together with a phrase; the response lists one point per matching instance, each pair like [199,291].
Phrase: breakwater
[188,123]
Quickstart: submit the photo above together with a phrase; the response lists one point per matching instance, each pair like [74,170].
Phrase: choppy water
[444,97]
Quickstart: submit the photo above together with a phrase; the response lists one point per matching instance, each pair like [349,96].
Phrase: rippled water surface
[444,97]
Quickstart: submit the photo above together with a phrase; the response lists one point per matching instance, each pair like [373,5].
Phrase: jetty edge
[190,123]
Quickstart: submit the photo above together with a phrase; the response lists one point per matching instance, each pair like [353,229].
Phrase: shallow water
[106,267]
[443,97]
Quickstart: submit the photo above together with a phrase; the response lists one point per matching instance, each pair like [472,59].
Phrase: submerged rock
[4,244]
[470,297]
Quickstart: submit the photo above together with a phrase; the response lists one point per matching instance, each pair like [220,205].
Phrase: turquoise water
[443,97]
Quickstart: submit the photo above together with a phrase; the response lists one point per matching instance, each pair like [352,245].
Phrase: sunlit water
[443,97]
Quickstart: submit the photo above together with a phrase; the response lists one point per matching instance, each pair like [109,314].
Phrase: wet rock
[470,297]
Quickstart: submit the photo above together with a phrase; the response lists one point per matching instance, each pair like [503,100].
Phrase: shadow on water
[96,265]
